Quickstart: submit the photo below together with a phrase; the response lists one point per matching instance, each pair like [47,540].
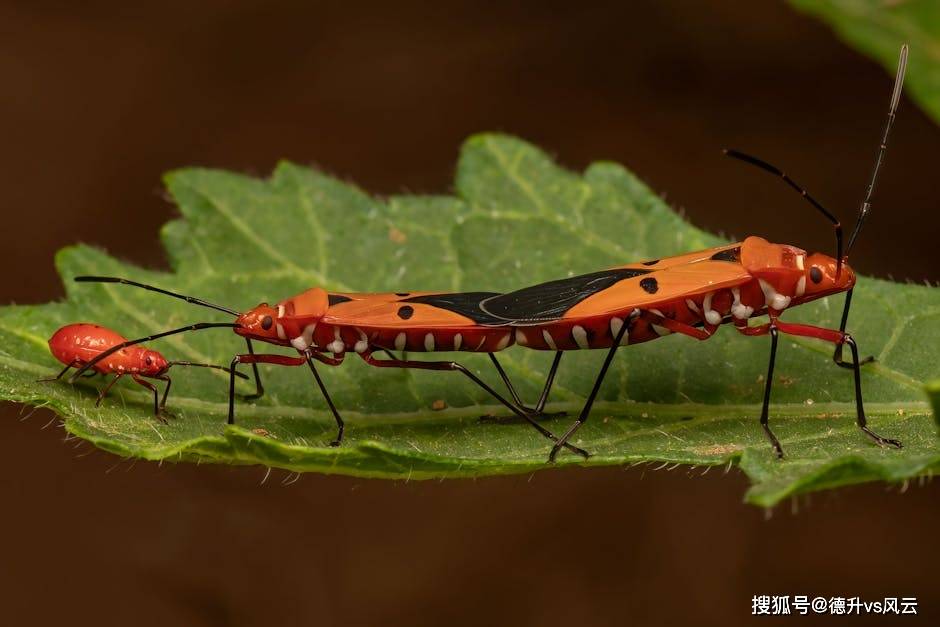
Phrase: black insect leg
[284,360]
[156,396]
[456,367]
[104,392]
[862,421]
[166,390]
[837,355]
[259,387]
[768,384]
[280,360]
[340,425]
[538,410]
[586,410]
[58,376]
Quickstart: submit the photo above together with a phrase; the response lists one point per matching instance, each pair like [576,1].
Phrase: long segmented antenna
[191,363]
[882,147]
[114,349]
[866,204]
[763,165]
[188,299]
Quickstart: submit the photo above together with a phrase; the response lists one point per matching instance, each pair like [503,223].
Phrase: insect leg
[586,410]
[166,391]
[104,392]
[156,395]
[454,366]
[58,376]
[768,384]
[838,337]
[259,387]
[548,382]
[538,410]
[837,355]
[340,425]
[280,360]
[675,326]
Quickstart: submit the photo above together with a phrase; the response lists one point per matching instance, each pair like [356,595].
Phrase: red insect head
[259,322]
[147,362]
[286,320]
[823,276]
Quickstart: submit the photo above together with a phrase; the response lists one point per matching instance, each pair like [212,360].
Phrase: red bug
[78,345]
[691,294]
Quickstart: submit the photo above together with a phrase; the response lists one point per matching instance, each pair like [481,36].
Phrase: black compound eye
[815,274]
[149,361]
[266,323]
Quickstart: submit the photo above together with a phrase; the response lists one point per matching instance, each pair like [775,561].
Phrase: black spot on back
[650,284]
[406,312]
[732,254]
[549,301]
[464,303]
[651,262]
[402,293]
[336,299]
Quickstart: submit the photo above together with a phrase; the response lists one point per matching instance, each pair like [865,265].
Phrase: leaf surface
[516,218]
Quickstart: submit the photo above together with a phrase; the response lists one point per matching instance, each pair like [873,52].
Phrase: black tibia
[855,365]
[538,410]
[586,410]
[768,384]
[156,394]
[166,391]
[280,360]
[860,408]
[58,376]
[456,367]
[259,388]
[837,355]
[107,387]
[340,425]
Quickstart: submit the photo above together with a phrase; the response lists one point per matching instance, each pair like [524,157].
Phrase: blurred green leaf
[517,218]
[878,28]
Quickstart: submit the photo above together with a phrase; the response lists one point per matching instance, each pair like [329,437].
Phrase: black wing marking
[336,299]
[731,254]
[463,303]
[549,301]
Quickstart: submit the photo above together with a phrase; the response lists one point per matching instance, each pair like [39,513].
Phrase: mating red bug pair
[691,294]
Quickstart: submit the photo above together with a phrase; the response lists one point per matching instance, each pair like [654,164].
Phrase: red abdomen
[80,343]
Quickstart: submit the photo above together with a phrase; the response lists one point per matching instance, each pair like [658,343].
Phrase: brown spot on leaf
[397,236]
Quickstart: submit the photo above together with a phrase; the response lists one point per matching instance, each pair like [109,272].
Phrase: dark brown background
[97,103]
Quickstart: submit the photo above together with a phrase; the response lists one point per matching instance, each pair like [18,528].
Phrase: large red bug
[78,345]
[691,294]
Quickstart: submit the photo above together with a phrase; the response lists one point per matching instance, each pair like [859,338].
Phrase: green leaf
[878,28]
[517,218]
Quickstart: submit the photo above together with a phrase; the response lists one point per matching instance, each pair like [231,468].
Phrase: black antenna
[188,299]
[114,349]
[866,204]
[190,363]
[763,165]
[883,146]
